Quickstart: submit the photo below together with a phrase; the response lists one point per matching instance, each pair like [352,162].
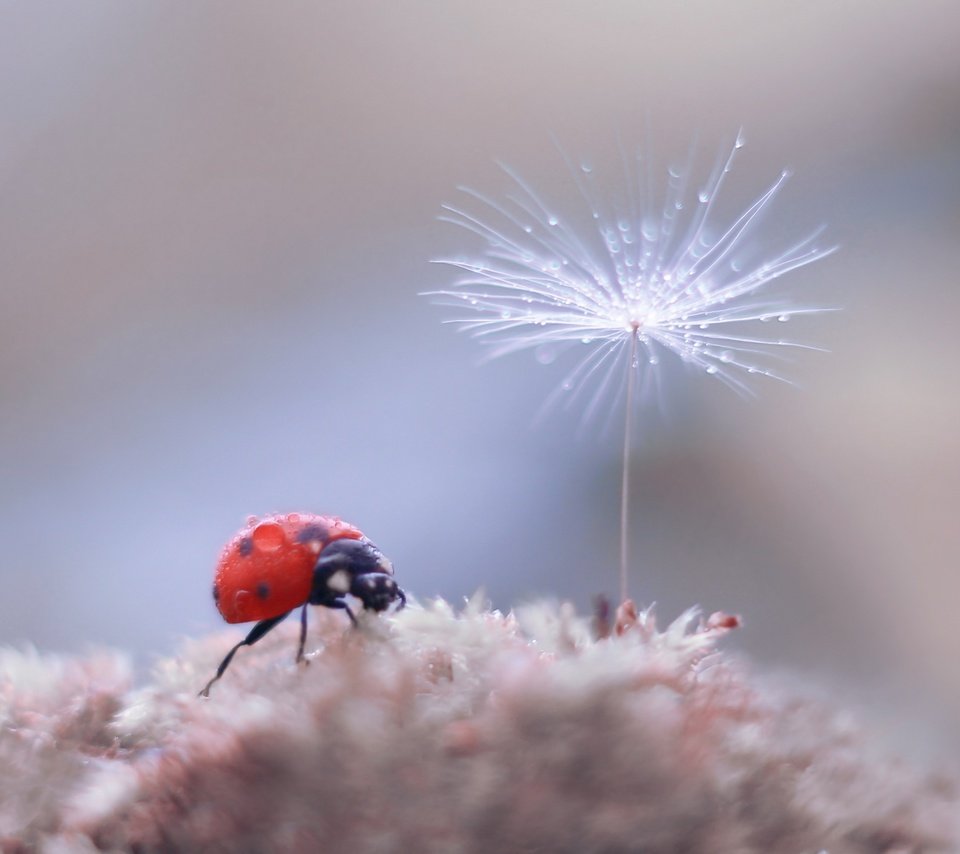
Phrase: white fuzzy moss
[432,731]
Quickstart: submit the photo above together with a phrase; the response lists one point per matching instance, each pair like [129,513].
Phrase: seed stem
[625,481]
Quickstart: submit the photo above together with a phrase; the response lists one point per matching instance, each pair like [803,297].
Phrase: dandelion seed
[632,288]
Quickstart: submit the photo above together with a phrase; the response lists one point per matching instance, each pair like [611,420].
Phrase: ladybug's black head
[357,557]
[356,567]
[377,591]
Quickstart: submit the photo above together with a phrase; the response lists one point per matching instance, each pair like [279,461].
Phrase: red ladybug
[283,562]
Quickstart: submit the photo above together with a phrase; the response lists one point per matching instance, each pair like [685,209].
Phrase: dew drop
[703,197]
[268,537]
[783,318]
[293,518]
[726,356]
[252,520]
[712,369]
[586,166]
[552,220]
[653,360]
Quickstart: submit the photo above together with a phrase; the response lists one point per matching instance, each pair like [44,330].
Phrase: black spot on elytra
[246,546]
[312,532]
[216,593]
[263,590]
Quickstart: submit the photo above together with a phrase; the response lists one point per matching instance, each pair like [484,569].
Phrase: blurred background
[214,222]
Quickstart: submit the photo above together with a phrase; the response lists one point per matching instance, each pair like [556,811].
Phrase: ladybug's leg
[303,632]
[339,603]
[257,632]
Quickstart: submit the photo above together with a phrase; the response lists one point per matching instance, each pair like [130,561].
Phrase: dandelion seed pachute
[541,283]
[632,286]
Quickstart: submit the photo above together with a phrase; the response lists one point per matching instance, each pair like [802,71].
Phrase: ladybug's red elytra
[285,561]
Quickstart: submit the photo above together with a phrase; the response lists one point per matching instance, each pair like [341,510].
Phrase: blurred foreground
[435,732]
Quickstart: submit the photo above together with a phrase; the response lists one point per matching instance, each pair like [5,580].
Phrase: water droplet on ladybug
[241,601]
[268,537]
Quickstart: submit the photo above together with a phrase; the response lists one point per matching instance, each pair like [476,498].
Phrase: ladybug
[285,561]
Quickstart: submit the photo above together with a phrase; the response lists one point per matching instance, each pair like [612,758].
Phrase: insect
[281,562]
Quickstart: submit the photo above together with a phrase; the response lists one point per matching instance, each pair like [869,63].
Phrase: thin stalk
[625,482]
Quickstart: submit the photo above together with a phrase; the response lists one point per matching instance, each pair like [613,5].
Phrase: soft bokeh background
[214,221]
